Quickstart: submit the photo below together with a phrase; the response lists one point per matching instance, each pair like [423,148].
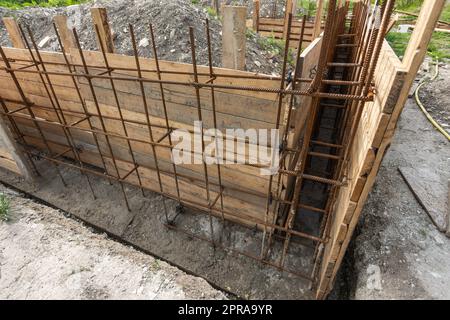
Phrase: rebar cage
[112,116]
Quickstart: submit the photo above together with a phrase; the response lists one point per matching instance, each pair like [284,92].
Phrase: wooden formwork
[277,27]
[119,111]
[393,80]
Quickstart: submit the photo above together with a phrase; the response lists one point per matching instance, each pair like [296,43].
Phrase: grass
[4,208]
[276,47]
[211,12]
[439,47]
[414,6]
[18,4]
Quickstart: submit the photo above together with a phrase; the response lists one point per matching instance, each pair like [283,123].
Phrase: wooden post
[14,33]
[318,20]
[233,37]
[67,38]
[100,18]
[448,211]
[16,160]
[288,11]
[256,15]
[217,7]
[417,46]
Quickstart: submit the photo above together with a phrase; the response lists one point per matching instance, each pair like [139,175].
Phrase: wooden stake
[100,18]
[66,35]
[256,15]
[448,211]
[14,33]
[17,155]
[289,6]
[318,20]
[233,37]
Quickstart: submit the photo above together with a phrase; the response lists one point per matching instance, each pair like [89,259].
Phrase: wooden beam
[67,38]
[288,11]
[14,33]
[256,15]
[100,18]
[233,37]
[417,46]
[448,211]
[318,20]
[17,161]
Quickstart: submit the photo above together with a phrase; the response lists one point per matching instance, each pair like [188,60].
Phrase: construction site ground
[47,255]
[397,252]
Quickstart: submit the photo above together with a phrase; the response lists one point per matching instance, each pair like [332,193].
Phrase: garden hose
[421,106]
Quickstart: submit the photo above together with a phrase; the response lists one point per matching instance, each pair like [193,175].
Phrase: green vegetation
[439,47]
[412,6]
[4,208]
[271,44]
[17,4]
[275,47]
[195,1]
[211,12]
[308,7]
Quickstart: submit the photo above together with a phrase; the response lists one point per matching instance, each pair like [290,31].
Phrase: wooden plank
[66,35]
[12,157]
[287,13]
[189,191]
[14,32]
[100,18]
[448,211]
[430,190]
[233,37]
[318,19]
[256,15]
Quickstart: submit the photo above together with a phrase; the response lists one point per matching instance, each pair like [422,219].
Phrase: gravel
[171,21]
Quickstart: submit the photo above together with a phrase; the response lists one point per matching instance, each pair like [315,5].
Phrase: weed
[4,208]
[211,12]
[17,4]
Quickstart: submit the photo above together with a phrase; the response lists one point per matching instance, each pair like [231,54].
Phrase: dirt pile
[171,21]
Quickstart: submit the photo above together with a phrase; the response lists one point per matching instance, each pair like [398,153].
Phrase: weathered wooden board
[430,189]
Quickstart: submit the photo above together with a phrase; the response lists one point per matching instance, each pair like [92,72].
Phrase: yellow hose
[421,106]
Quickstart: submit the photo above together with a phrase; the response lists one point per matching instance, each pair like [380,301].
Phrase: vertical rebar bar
[119,109]
[102,123]
[200,118]
[54,101]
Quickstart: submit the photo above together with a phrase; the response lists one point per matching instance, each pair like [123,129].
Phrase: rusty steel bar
[147,115]
[274,154]
[161,89]
[17,133]
[28,105]
[213,104]
[288,123]
[337,96]
[193,203]
[116,99]
[54,101]
[80,98]
[199,111]
[102,123]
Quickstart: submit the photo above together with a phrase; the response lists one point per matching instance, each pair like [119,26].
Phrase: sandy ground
[44,255]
